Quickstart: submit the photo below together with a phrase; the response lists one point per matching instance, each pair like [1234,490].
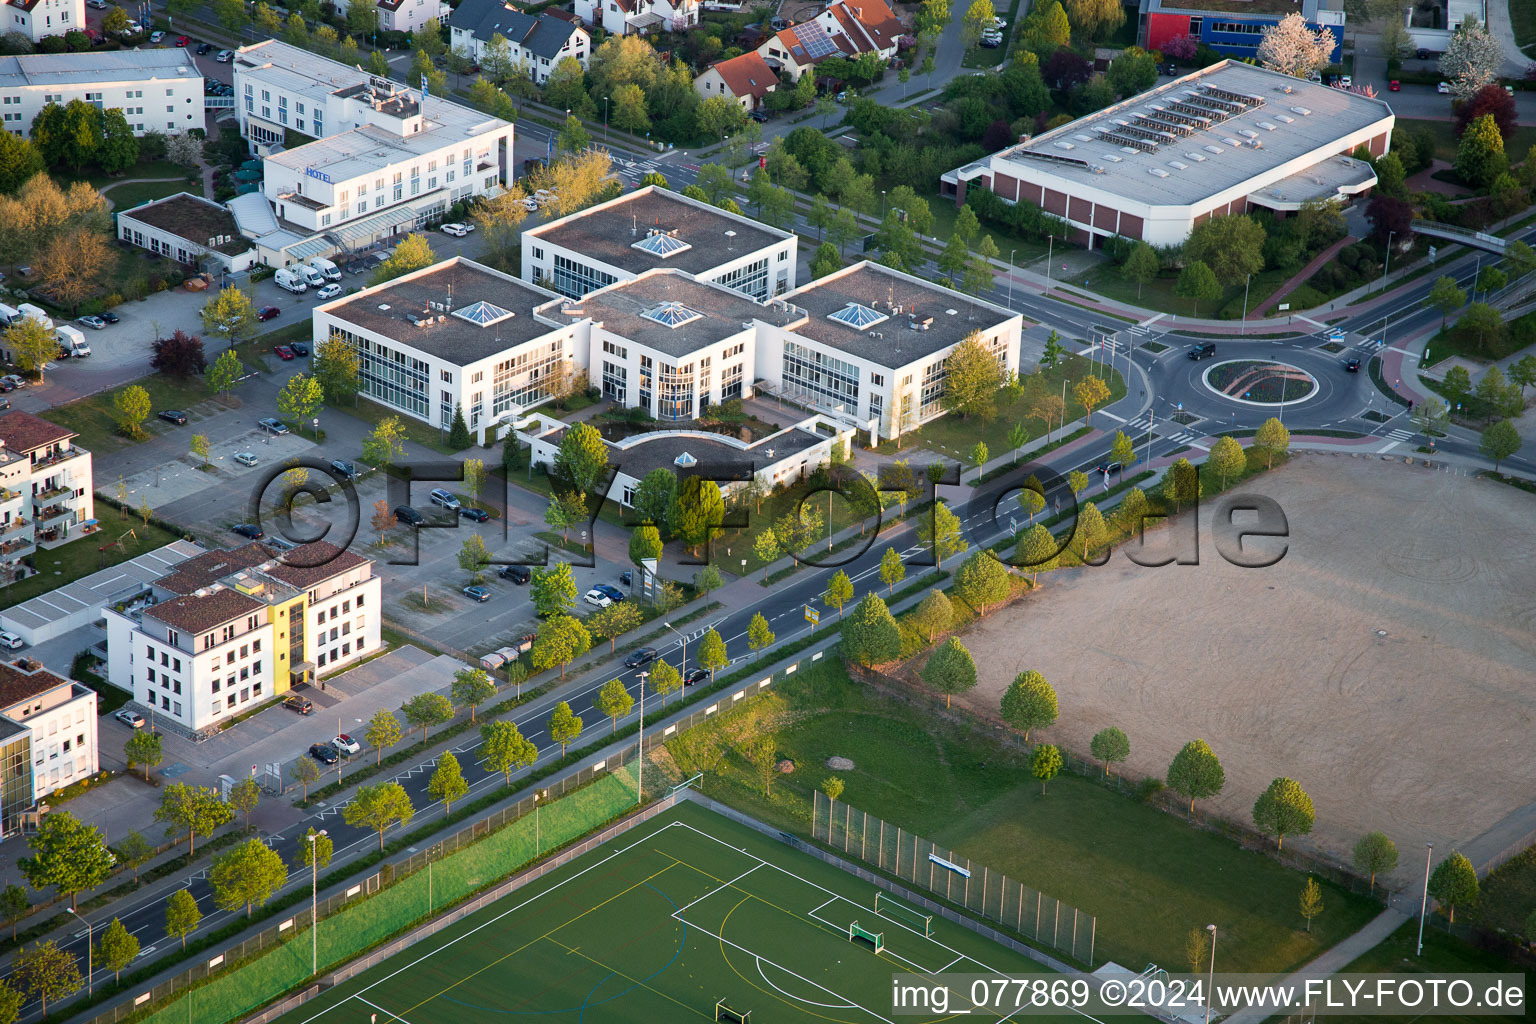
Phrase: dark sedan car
[248,530]
[299,348]
[479,515]
[694,676]
[109,316]
[268,313]
[644,656]
[204,48]
[324,753]
[175,416]
[1352,364]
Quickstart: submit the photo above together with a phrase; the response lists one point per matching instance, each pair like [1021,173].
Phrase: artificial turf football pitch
[664,923]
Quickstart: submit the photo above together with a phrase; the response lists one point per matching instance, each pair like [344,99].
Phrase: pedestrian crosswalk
[1400,435]
[1143,422]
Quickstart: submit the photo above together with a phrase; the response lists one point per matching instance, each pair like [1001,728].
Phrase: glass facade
[752,279]
[646,372]
[574,279]
[674,388]
[831,382]
[390,377]
[932,400]
[730,383]
[15,778]
[615,382]
[519,381]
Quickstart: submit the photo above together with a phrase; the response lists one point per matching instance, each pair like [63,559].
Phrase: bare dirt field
[1387,662]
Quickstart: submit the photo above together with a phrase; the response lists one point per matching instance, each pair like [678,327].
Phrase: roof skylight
[857,316]
[661,245]
[672,314]
[482,313]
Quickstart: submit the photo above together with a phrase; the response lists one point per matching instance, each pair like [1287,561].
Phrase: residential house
[38,19]
[847,28]
[55,719]
[410,15]
[746,79]
[637,17]
[536,44]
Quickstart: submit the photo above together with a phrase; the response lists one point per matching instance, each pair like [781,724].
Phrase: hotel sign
[321,175]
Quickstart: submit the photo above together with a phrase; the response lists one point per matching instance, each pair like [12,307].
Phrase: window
[255,646]
[215,686]
[215,709]
[151,674]
[176,708]
[229,658]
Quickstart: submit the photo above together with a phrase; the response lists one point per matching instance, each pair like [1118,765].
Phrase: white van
[27,309]
[289,279]
[311,276]
[72,340]
[331,271]
[9,314]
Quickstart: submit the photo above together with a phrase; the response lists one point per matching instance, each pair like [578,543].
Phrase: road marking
[1106,412]
[1389,446]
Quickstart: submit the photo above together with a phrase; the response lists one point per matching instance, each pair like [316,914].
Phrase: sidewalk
[1304,274]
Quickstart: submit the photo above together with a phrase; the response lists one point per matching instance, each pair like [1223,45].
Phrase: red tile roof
[18,684]
[198,614]
[22,432]
[747,75]
[878,20]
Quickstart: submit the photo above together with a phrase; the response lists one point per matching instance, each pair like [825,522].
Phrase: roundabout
[1260,382]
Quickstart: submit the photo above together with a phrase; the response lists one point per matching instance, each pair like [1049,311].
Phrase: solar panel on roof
[817,43]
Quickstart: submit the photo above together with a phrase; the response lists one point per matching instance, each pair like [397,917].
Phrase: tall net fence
[955,878]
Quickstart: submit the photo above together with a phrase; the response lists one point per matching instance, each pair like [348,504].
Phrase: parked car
[457,230]
[345,468]
[183,41]
[96,5]
[760,116]
[268,313]
[250,530]
[324,753]
[1346,81]
[999,23]
[1423,54]
[202,48]
[11,642]
[478,515]
[1170,71]
[518,574]
[175,416]
[283,352]
[1352,364]
[644,656]
[110,317]
[299,348]
[409,516]
[694,676]
[1204,351]
[225,56]
[272,426]
[95,323]
[627,578]
[612,593]
[596,598]
[132,719]
[1394,86]
[330,291]
[477,593]
[14,380]
[346,744]
[157,37]
[300,704]
[1444,88]
[444,498]
[246,458]
[991,42]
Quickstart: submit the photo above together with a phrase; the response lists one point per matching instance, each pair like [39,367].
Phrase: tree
[940,530]
[1121,450]
[1391,219]
[1037,551]
[978,16]
[66,854]
[759,636]
[1499,442]
[1492,387]
[711,653]
[613,700]
[697,511]
[665,680]
[143,747]
[1090,527]
[1134,71]
[982,581]
[1090,392]
[1181,484]
[1233,247]
[707,579]
[1480,153]
[1284,809]
[1523,373]
[1484,325]
[614,621]
[955,257]
[892,569]
[933,615]
[32,344]
[1196,772]
[1429,418]
[761,752]
[70,267]
[1492,100]
[1291,47]
[1195,949]
[473,557]
[1472,59]
[304,771]
[1311,901]
[19,160]
[1045,764]
[1227,458]
[182,915]
[315,853]
[654,498]
[247,875]
[825,260]
[1198,284]
[561,640]
[505,749]
[553,591]
[383,731]
[14,904]
[230,315]
[838,593]
[426,710]
[1029,703]
[1273,439]
[414,253]
[564,726]
[1111,746]
[1097,18]
[45,972]
[224,372]
[979,455]
[300,398]
[243,797]
[950,669]
[378,807]
[1140,266]
[1375,854]
[471,688]
[629,109]
[130,407]
[191,809]
[1453,882]
[582,457]
[447,783]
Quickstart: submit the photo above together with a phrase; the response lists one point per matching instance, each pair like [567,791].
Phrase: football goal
[912,918]
[725,1013]
[874,939]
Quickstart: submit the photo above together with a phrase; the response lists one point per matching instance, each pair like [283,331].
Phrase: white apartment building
[453,334]
[535,45]
[46,495]
[656,228]
[410,15]
[386,159]
[157,90]
[38,19]
[59,716]
[227,630]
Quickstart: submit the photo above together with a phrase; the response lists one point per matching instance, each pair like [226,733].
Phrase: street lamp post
[1242,327]
[314,904]
[1387,263]
[605,118]
[1211,979]
[1424,900]
[882,205]
[1010,277]
[90,971]
[1050,247]
[640,745]
[685,643]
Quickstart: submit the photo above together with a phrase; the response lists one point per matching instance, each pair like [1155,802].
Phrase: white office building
[39,19]
[157,90]
[59,716]
[655,228]
[385,159]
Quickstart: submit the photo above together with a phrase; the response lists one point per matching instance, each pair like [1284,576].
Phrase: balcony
[10,530]
[53,492]
[54,458]
[16,547]
[52,513]
[8,495]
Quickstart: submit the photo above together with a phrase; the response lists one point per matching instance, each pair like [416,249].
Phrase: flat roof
[1193,137]
[194,218]
[890,341]
[697,313]
[608,232]
[358,151]
[475,312]
[660,449]
[1307,9]
[58,69]
[101,588]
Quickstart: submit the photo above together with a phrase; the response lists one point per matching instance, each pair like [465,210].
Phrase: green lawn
[1147,876]
[944,211]
[68,562]
[127,196]
[1508,897]
[1443,954]
[416,431]
[1158,294]
[94,420]
[1444,132]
